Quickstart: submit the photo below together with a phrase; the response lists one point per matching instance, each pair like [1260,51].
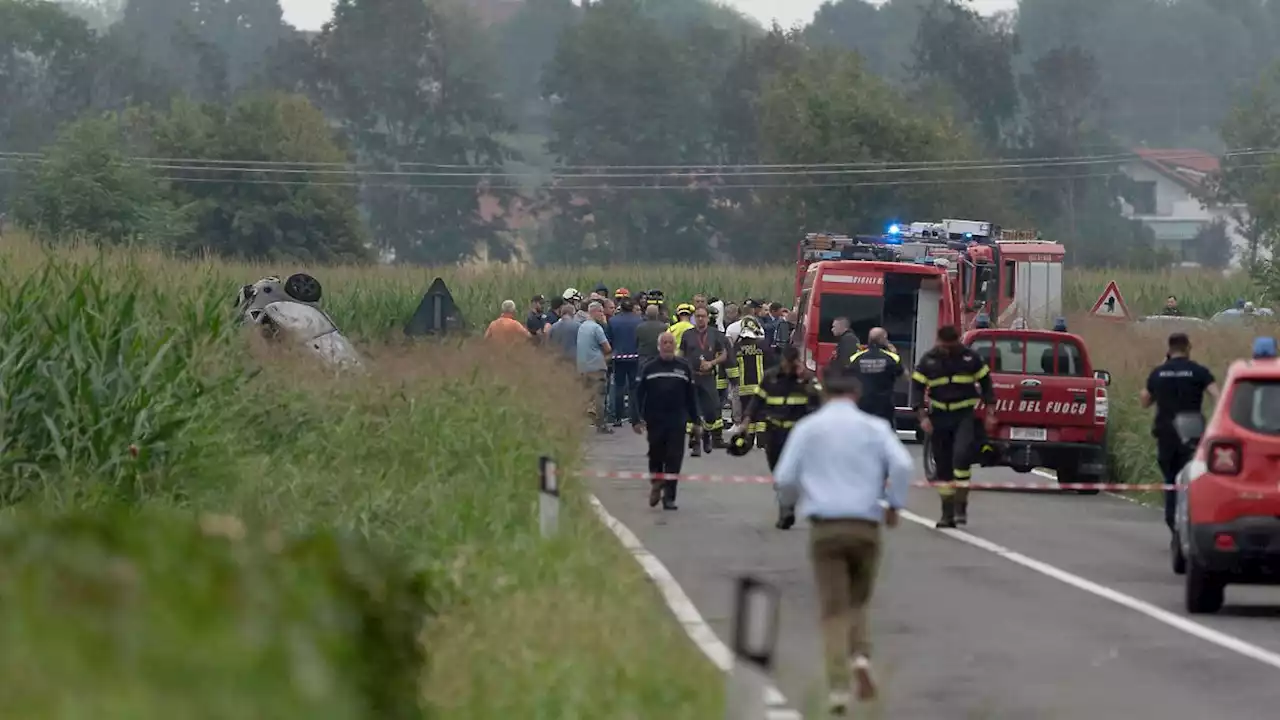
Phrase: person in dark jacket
[847,341]
[950,376]
[786,395]
[626,356]
[877,369]
[665,401]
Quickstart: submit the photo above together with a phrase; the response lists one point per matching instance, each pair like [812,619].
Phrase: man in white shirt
[834,467]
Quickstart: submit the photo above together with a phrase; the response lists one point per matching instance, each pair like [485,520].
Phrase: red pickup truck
[1051,405]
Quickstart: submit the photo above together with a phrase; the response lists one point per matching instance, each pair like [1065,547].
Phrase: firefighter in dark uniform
[950,373]
[1175,387]
[665,402]
[878,369]
[785,395]
[706,349]
[753,357]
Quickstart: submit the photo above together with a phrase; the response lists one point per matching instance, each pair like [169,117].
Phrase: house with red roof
[1171,193]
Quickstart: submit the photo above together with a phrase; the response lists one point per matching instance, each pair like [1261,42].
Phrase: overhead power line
[683,188]
[607,171]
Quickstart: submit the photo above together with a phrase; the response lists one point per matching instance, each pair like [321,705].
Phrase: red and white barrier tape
[625,357]
[767,480]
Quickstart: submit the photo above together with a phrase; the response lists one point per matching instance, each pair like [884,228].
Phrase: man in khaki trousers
[840,466]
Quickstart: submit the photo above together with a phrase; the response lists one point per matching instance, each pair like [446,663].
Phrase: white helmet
[751,329]
[571,294]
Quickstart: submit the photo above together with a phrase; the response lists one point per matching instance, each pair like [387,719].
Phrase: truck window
[1255,405]
[1010,279]
[864,312]
[1032,357]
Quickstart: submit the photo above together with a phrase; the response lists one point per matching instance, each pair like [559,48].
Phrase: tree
[882,34]
[1253,180]
[210,49]
[250,199]
[46,72]
[970,57]
[627,93]
[85,186]
[833,110]
[411,92]
[1213,245]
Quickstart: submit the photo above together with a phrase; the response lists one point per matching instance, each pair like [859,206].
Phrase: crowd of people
[609,335]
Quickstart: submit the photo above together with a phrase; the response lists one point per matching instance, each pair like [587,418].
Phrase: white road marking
[1054,477]
[685,611]
[1173,620]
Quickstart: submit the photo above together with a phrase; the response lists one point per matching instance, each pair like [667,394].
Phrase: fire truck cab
[869,282]
[1012,276]
[917,277]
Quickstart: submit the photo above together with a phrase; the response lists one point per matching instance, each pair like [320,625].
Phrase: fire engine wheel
[1069,476]
[926,456]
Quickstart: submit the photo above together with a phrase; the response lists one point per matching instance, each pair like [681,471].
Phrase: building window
[1144,198]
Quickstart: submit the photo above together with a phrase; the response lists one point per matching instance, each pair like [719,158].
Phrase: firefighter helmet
[751,329]
[621,294]
[572,295]
[684,309]
[740,445]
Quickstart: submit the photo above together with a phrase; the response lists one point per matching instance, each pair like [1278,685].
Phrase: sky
[311,14]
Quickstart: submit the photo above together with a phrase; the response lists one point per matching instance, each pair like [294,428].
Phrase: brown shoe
[655,492]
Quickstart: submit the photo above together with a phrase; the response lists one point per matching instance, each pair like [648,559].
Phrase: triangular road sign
[437,314]
[1111,304]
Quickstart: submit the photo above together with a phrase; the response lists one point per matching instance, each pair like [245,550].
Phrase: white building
[1170,195]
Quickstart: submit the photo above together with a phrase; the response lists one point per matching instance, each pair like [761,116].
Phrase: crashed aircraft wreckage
[291,310]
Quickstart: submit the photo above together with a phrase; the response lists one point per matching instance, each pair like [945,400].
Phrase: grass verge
[127,394]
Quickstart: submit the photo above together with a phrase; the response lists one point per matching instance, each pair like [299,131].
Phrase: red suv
[1228,515]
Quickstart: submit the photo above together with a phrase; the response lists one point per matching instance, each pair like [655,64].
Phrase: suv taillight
[1224,457]
[1100,405]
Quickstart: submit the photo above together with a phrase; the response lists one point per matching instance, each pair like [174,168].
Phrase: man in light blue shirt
[838,466]
[593,345]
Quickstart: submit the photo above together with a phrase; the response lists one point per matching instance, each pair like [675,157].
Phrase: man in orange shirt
[507,327]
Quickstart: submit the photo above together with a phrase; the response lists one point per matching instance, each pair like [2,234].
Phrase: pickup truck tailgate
[1039,401]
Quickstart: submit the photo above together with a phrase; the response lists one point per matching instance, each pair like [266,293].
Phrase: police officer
[1176,386]
[665,402]
[785,395]
[878,369]
[705,349]
[949,373]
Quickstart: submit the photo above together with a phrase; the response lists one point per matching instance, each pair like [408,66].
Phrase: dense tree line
[614,130]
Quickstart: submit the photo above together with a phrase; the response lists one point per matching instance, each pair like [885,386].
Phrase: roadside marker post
[548,497]
[755,638]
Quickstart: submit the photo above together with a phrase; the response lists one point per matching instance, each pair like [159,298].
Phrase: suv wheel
[1205,591]
[1179,561]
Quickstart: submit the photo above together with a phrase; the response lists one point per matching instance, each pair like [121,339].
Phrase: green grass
[127,391]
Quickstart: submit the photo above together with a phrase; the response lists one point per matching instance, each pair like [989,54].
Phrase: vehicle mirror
[1190,427]
[1104,376]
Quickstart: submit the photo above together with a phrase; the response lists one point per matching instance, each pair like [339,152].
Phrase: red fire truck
[916,278]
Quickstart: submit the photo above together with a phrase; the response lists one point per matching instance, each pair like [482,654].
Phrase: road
[961,631]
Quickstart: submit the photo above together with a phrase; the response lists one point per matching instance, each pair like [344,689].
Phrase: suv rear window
[1031,357]
[1255,405]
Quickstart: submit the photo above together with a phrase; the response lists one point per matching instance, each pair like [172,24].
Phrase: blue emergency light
[894,229]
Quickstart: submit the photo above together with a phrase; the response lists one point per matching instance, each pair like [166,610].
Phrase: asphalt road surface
[961,631]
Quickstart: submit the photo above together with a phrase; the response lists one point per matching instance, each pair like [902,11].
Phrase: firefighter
[666,401]
[684,311]
[753,358]
[878,368]
[705,349]
[784,396]
[950,373]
